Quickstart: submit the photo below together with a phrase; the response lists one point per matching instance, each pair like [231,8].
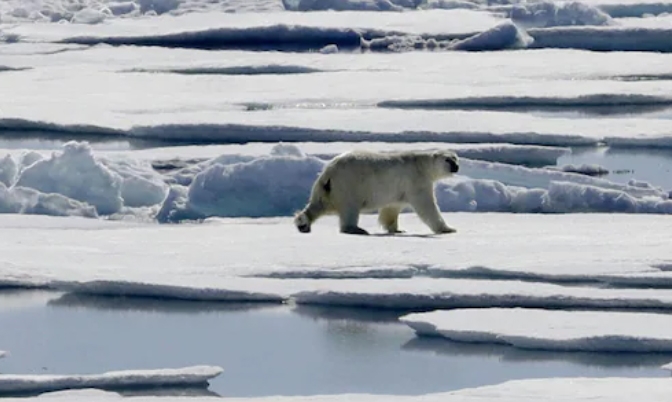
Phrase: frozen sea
[153,153]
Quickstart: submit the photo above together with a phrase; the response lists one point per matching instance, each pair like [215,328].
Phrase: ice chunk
[506,35]
[187,376]
[602,38]
[23,200]
[75,173]
[141,185]
[329,49]
[263,187]
[550,330]
[8,170]
[548,14]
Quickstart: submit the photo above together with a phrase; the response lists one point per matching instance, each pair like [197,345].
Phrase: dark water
[271,350]
[650,165]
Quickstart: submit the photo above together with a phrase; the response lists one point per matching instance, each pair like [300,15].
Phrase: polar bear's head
[445,163]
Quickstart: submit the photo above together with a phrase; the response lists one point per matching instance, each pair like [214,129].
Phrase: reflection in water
[148,304]
[274,350]
[506,353]
[126,391]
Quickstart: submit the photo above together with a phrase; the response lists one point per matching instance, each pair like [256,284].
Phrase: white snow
[187,376]
[594,331]
[214,107]
[216,256]
[95,11]
[530,155]
[223,27]
[75,182]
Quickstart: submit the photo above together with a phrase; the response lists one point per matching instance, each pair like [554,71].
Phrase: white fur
[359,181]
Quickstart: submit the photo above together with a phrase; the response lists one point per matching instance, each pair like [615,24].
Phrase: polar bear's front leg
[424,204]
[388,217]
[349,220]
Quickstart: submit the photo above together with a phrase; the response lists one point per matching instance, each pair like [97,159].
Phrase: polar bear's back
[376,178]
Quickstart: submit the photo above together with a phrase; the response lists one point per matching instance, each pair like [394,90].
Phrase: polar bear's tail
[317,205]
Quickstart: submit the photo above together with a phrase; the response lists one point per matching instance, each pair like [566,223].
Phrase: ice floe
[187,376]
[215,256]
[612,389]
[550,330]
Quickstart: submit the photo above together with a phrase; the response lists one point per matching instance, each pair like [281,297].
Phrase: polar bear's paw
[446,230]
[355,230]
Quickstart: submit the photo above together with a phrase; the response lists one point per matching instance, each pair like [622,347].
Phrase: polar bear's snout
[302,223]
[454,165]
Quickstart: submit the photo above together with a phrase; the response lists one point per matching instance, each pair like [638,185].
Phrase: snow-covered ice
[595,331]
[528,155]
[611,389]
[187,376]
[216,28]
[213,260]
[346,93]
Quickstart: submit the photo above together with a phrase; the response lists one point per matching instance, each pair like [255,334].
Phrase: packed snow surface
[550,330]
[187,376]
[551,25]
[213,261]
[479,96]
[612,389]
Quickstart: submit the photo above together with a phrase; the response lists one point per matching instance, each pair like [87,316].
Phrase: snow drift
[76,183]
[187,376]
[231,187]
[276,181]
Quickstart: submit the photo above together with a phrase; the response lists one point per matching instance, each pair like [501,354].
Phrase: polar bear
[361,181]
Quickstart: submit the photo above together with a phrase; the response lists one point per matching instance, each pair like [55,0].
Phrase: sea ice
[612,389]
[594,331]
[187,376]
[216,254]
